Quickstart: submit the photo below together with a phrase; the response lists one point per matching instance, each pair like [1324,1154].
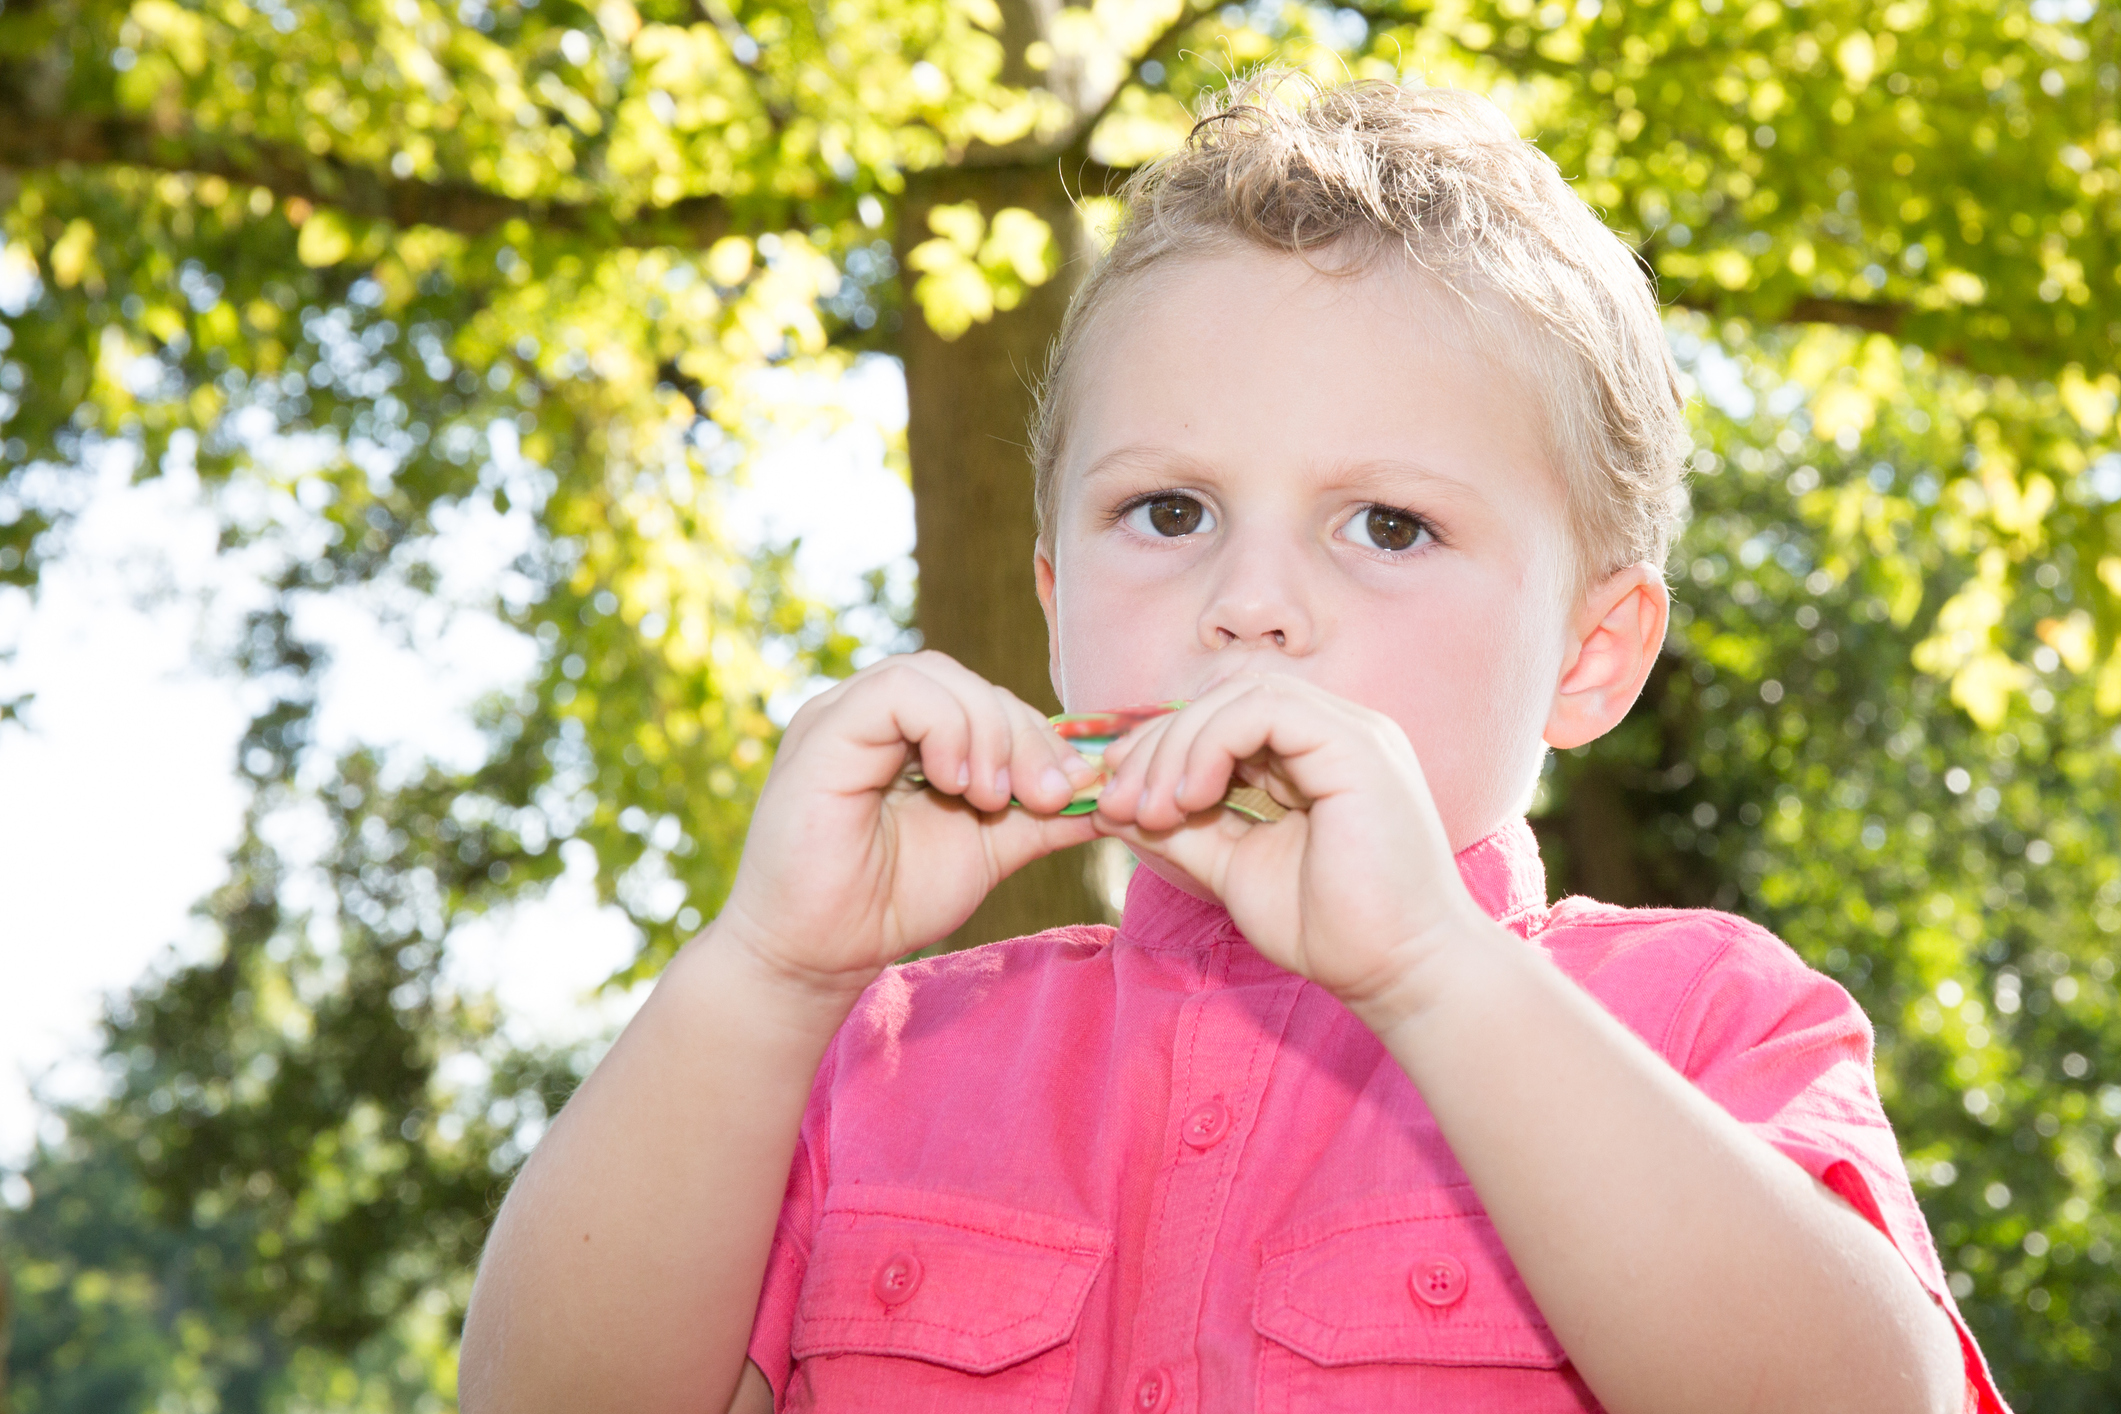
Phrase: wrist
[1449,966]
[732,957]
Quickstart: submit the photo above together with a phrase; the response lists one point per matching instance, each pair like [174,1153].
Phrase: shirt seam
[1729,939]
[1540,911]
[1209,1213]
[1222,938]
[1232,1157]
[1618,917]
[1517,1327]
[881,1212]
[1274,1253]
[1044,1301]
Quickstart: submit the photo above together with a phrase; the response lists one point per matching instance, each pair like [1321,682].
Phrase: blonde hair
[1440,176]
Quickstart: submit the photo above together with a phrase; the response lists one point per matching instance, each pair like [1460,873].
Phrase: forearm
[1682,1262]
[624,1269]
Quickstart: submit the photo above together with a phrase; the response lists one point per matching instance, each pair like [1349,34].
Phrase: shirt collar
[1502,871]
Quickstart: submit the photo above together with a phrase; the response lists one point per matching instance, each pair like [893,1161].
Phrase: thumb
[1019,837]
[1202,847]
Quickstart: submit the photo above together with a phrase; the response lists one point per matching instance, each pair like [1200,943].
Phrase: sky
[119,797]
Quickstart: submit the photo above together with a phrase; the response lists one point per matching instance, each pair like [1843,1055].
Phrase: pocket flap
[956,1281]
[1415,1278]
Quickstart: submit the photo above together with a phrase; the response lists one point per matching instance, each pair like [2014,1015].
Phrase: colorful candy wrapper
[1091,732]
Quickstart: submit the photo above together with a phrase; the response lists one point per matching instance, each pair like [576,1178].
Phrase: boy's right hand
[848,866]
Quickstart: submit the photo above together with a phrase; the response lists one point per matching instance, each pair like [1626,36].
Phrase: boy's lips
[1108,726]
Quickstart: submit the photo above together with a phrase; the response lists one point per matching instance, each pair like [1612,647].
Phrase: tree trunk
[6,1311]
[1599,837]
[969,404]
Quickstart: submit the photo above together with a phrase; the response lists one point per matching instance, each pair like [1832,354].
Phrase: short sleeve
[1788,1052]
[789,1257]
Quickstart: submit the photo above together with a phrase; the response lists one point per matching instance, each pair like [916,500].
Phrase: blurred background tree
[538,260]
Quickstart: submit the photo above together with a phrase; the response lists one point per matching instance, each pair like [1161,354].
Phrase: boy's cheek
[1469,708]
[1120,654]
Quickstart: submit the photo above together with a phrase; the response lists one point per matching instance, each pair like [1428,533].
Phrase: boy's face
[1270,469]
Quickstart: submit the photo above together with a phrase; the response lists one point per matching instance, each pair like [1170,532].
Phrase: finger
[1045,770]
[1126,765]
[1018,837]
[1179,768]
[988,711]
[993,743]
[875,714]
[1180,780]
[1263,773]
[1309,740]
[1229,748]
[804,722]
[1011,749]
[1202,848]
[1304,743]
[932,704]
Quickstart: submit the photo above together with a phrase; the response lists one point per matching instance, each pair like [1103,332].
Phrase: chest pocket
[919,1300]
[1404,1302]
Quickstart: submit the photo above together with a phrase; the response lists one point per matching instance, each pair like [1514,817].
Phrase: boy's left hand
[1355,889]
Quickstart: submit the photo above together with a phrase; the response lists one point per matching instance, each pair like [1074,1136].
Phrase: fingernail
[1052,782]
[1079,769]
[1178,792]
[964,774]
[1001,782]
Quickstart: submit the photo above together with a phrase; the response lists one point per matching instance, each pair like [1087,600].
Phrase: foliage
[119,1308]
[1793,763]
[372,268]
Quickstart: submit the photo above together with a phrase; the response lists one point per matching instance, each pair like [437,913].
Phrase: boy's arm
[753,1394]
[624,1270]
[1681,1260]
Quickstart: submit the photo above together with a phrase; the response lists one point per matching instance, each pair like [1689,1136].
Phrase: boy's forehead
[1350,296]
[1222,328]
[1382,377]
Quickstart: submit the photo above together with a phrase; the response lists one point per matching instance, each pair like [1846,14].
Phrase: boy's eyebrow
[1386,473]
[1143,458]
[1379,473]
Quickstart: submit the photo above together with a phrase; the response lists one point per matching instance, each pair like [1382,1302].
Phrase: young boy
[1365,440]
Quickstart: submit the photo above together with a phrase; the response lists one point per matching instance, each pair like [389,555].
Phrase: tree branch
[1163,49]
[33,142]
[1856,314]
[1886,319]
[1075,143]
[1388,12]
[735,36]
[30,142]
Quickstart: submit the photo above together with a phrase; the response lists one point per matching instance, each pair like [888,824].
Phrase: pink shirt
[1146,1169]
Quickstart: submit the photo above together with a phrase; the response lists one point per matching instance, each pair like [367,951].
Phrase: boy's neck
[1502,870]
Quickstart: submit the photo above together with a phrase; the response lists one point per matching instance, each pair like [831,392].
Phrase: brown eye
[1170,517]
[1176,515]
[1383,528]
[1390,530]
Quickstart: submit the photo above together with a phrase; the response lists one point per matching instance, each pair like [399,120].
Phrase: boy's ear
[1042,574]
[1613,643]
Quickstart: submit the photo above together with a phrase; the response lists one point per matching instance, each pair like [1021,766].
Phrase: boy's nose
[1256,610]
